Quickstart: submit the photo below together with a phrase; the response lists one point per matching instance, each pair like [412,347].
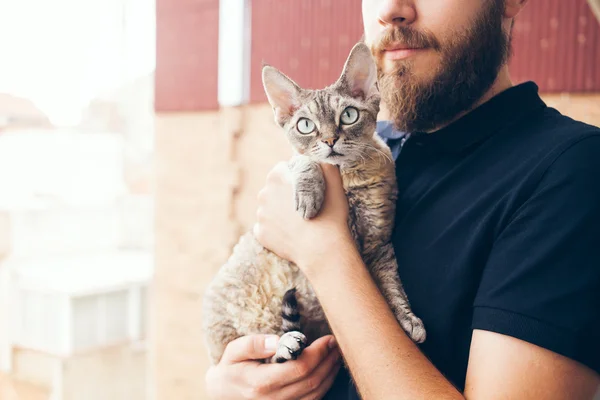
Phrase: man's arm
[503,367]
[386,364]
[383,360]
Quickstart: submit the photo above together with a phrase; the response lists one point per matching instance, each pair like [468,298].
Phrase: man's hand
[281,229]
[240,376]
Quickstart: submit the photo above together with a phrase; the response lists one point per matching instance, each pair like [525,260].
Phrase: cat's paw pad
[414,327]
[290,346]
[308,203]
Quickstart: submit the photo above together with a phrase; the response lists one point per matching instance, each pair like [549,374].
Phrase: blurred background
[134,136]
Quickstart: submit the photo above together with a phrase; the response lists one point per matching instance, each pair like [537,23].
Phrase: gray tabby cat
[258,292]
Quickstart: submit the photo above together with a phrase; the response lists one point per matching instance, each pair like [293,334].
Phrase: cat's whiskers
[357,148]
[361,153]
[362,159]
[379,152]
[363,149]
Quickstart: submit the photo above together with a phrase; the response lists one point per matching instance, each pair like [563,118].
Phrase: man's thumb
[331,173]
[334,185]
[252,347]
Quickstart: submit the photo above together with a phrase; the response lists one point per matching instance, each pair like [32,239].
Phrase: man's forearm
[384,362]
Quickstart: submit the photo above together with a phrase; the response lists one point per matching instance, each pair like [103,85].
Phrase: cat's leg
[292,342]
[384,270]
[309,186]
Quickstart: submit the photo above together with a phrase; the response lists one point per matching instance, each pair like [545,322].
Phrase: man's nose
[330,141]
[397,12]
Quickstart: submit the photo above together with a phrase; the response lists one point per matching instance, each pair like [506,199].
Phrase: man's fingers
[295,370]
[252,347]
[324,387]
[334,187]
[332,175]
[316,381]
[312,356]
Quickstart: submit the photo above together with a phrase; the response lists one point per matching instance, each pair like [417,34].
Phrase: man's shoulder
[559,128]
[549,146]
[565,153]
[550,135]
[576,141]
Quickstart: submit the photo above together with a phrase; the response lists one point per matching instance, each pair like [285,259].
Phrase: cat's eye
[349,116]
[305,126]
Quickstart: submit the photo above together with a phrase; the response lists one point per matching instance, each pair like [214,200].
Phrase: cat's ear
[282,92]
[359,77]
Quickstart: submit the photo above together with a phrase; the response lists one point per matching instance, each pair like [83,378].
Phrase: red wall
[186,55]
[307,39]
[556,43]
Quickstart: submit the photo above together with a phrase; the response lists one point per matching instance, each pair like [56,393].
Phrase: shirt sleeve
[541,283]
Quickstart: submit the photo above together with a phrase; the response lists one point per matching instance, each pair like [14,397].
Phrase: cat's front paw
[414,327]
[290,346]
[308,202]
[309,186]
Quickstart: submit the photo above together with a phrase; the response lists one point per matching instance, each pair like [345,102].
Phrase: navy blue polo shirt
[498,228]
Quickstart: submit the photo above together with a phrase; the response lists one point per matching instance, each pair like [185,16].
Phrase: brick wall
[193,236]
[209,170]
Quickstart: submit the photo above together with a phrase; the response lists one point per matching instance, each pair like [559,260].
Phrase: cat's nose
[330,141]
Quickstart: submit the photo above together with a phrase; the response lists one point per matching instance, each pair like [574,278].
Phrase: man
[497,231]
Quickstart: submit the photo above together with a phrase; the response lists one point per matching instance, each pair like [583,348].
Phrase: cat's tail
[290,312]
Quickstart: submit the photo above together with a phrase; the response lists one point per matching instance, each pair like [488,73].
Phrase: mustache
[403,36]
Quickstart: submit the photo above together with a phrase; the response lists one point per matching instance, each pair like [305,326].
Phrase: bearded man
[497,231]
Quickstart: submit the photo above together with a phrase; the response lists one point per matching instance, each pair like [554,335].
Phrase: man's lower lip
[401,54]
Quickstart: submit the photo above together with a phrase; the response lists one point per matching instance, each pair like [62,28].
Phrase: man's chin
[392,67]
[419,70]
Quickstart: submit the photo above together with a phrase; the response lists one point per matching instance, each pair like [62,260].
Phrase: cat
[258,292]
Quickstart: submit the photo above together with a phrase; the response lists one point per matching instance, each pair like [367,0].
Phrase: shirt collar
[501,111]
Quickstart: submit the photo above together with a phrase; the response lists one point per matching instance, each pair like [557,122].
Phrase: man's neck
[502,83]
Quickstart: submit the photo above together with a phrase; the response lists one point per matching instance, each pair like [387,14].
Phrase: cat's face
[332,125]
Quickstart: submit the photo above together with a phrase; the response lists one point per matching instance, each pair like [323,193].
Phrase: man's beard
[470,63]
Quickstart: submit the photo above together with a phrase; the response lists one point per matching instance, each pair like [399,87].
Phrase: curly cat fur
[246,296]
